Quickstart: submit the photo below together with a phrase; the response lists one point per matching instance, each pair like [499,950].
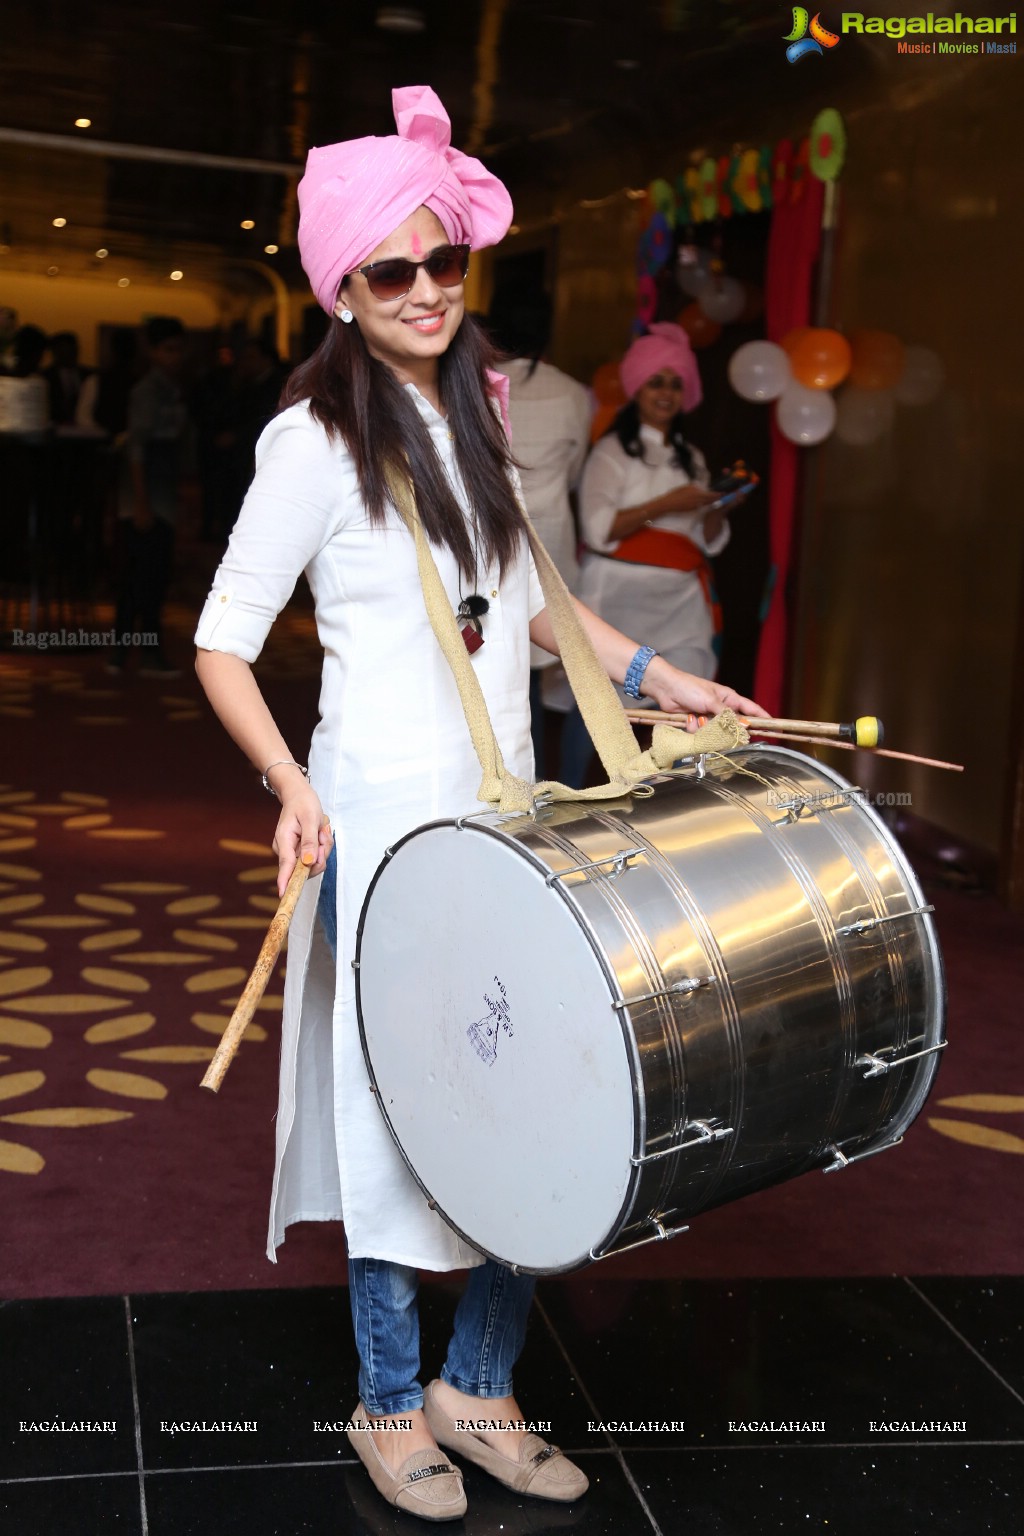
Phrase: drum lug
[798,804]
[877,1063]
[706,1132]
[681,988]
[841,1161]
[619,861]
[658,1236]
[891,917]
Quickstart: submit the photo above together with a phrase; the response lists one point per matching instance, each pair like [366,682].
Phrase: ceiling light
[52,271]
[248,223]
[59,223]
[83,122]
[271,250]
[102,253]
[400,18]
[177,276]
[5,250]
[123,282]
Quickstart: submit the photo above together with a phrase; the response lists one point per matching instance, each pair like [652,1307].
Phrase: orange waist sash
[673,552]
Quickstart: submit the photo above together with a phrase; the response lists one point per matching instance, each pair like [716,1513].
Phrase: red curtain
[793,245]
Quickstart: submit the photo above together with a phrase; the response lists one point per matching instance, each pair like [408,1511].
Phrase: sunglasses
[395,278]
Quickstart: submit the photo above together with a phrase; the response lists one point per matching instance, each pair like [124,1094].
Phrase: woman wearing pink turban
[386,226]
[644,519]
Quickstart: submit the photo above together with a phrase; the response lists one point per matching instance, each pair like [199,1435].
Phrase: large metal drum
[587,1025]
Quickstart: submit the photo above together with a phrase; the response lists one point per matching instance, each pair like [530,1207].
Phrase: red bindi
[417,248]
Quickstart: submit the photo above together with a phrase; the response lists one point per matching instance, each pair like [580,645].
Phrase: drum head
[501,1066]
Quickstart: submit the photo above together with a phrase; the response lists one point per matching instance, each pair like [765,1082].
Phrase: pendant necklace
[471,609]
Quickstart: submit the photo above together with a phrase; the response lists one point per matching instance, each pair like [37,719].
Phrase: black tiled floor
[851,1354]
[892,1491]
[74,1506]
[833,1352]
[65,1361]
[989,1314]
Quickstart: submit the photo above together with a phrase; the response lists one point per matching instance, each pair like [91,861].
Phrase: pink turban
[665,346]
[355,194]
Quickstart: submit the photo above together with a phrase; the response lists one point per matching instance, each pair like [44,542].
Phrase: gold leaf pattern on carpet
[191,963]
[129,1085]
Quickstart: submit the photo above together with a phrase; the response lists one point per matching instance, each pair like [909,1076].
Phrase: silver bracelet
[284,762]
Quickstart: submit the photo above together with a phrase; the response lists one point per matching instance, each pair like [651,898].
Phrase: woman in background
[646,521]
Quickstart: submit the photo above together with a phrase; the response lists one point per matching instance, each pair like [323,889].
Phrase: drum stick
[851,746]
[257,983]
[760,728]
[867,731]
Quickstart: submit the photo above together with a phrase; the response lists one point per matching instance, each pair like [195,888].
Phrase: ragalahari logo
[808,35]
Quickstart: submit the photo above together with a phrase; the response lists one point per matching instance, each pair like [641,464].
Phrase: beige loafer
[426,1484]
[541,1472]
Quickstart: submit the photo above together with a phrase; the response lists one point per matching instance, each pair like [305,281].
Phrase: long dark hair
[626,427]
[356,397]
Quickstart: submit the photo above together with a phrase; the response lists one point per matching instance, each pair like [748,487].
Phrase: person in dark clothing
[160,456]
[64,377]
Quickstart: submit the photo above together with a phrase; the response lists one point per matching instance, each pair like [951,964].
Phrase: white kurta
[550,415]
[663,608]
[391,751]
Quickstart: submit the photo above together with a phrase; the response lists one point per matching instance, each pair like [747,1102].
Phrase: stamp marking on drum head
[485,1034]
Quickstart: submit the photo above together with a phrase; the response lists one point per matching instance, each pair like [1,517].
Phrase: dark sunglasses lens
[448,267]
[390,279]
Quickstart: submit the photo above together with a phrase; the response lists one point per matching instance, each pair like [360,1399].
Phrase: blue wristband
[637,667]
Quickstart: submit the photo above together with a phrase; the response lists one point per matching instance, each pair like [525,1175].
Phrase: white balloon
[863,415]
[722,299]
[693,277]
[759,370]
[805,416]
[922,378]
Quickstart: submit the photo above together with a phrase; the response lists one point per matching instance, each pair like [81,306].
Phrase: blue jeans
[490,1320]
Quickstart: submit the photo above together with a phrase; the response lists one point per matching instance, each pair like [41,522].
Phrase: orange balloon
[607,385]
[819,359]
[603,418]
[791,338]
[878,359]
[701,331]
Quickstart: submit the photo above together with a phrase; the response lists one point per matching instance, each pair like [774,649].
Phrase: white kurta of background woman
[663,608]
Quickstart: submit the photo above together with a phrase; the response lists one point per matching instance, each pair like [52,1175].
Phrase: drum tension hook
[681,988]
[890,917]
[619,861]
[706,1132]
[659,1235]
[877,1063]
[841,1161]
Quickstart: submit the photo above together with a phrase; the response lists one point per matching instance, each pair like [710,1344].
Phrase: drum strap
[602,711]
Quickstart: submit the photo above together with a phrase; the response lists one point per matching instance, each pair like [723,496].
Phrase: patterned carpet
[135,884]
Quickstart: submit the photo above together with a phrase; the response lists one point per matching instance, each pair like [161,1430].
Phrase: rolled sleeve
[536,600]
[604,475]
[291,511]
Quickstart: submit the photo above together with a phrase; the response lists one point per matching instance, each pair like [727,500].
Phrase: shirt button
[224,598]
[495,592]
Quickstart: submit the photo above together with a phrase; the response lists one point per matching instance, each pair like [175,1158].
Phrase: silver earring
[346,317]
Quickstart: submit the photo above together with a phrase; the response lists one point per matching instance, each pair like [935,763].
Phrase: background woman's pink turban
[355,194]
[665,346]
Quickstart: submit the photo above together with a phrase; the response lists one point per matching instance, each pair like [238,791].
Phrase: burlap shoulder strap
[599,704]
